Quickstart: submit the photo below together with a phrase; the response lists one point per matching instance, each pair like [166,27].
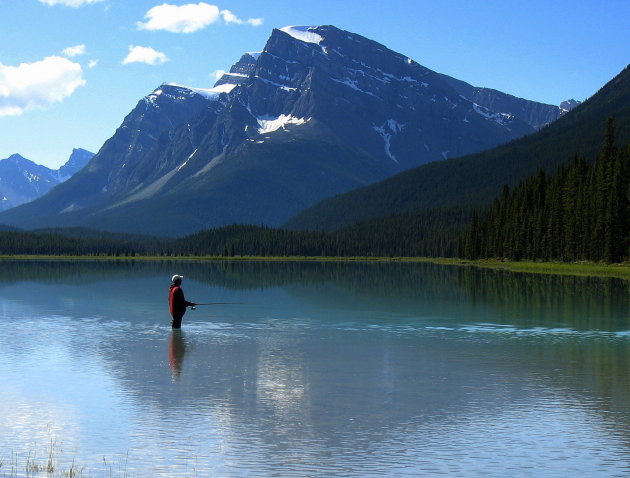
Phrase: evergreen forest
[429,234]
[580,213]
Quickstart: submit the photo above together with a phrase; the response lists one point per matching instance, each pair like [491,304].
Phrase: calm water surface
[312,370]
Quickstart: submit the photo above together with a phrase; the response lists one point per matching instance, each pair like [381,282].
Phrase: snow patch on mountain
[30,177]
[187,159]
[386,131]
[499,118]
[352,84]
[237,75]
[273,83]
[211,94]
[303,33]
[406,78]
[269,124]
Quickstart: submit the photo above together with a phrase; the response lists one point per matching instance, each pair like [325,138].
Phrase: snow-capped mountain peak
[318,112]
[303,33]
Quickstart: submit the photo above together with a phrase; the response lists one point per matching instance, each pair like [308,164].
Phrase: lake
[312,369]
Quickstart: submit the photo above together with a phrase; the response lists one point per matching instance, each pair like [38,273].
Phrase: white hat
[177,277]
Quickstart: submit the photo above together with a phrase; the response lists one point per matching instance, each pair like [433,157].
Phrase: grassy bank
[621,271]
[593,269]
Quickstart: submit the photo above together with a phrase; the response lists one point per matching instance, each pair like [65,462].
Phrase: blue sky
[70,70]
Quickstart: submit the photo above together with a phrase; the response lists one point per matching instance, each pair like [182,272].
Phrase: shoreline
[588,269]
[584,269]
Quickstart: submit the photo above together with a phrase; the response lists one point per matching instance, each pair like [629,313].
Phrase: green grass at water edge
[591,269]
[621,271]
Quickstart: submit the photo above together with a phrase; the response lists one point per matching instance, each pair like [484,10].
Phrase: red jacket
[176,302]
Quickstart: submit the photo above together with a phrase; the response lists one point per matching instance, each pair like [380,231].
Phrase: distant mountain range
[320,111]
[473,181]
[22,180]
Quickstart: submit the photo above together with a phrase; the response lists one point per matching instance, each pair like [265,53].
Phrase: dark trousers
[177,321]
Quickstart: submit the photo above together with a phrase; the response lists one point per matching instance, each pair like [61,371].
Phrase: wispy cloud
[74,51]
[255,22]
[229,17]
[92,63]
[144,54]
[69,3]
[189,18]
[37,85]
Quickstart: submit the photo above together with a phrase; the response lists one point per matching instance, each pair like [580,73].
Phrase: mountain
[22,180]
[474,181]
[78,159]
[318,112]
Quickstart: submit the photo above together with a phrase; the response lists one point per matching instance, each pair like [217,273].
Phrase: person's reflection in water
[176,352]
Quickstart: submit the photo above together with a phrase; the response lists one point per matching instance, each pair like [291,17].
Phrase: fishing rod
[215,303]
[219,303]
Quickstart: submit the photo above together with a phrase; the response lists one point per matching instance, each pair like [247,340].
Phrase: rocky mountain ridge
[22,180]
[318,112]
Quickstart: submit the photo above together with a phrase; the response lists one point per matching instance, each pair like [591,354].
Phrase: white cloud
[180,19]
[189,18]
[229,17]
[144,54]
[92,63]
[69,3]
[74,50]
[37,85]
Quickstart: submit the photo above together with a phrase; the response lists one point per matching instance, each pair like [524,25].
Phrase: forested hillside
[580,213]
[432,234]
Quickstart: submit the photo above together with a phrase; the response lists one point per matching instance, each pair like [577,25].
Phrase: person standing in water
[176,302]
